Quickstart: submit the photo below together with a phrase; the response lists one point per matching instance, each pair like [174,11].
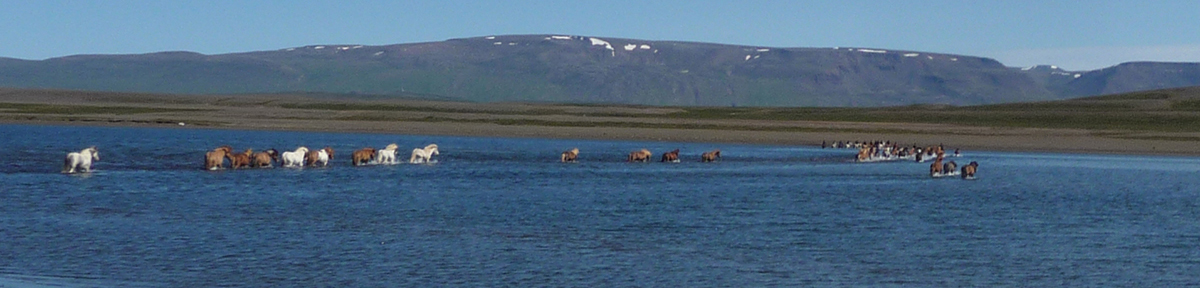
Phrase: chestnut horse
[362,156]
[710,156]
[640,156]
[319,156]
[240,160]
[672,156]
[570,155]
[264,158]
[968,171]
[935,169]
[215,159]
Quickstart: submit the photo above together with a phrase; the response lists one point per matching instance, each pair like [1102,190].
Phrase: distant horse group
[874,151]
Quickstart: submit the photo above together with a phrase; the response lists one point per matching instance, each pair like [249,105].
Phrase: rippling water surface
[503,212]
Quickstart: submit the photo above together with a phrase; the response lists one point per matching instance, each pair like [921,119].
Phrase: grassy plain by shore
[1156,122]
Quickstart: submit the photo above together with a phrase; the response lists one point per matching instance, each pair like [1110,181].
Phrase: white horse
[421,155]
[387,155]
[294,158]
[81,160]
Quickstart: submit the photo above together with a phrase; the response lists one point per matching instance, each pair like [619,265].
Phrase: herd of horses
[302,156]
[215,159]
[645,155]
[875,151]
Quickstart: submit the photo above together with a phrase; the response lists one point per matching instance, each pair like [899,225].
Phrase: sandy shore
[264,112]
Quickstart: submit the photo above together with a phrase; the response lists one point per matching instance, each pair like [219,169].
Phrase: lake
[504,212]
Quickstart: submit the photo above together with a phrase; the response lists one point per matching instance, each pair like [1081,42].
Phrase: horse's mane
[431,146]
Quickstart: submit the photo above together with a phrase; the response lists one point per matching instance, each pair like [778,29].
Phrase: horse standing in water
[240,160]
[387,155]
[294,158]
[362,156]
[421,155]
[935,169]
[264,158]
[81,160]
[672,156]
[319,156]
[710,156]
[215,159]
[570,155]
[968,171]
[640,156]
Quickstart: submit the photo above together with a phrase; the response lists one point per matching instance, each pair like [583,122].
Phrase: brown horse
[362,156]
[640,156]
[710,156]
[215,159]
[672,156]
[264,158]
[240,160]
[321,156]
[936,167]
[968,171]
[570,155]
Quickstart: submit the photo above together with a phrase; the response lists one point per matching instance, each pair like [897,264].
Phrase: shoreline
[997,143]
[991,130]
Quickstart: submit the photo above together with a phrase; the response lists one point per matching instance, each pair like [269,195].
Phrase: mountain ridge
[585,69]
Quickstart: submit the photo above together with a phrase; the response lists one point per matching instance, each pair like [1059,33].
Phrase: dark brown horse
[215,159]
[710,156]
[265,158]
[362,156]
[968,171]
[640,156]
[570,155]
[672,156]
[240,160]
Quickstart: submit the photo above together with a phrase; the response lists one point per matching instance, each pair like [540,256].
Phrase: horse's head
[717,153]
[392,146]
[574,150]
[302,150]
[95,153]
[973,164]
[249,152]
[328,151]
[676,151]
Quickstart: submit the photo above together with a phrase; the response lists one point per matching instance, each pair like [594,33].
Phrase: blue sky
[1075,35]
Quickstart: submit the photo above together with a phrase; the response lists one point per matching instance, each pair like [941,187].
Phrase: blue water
[503,212]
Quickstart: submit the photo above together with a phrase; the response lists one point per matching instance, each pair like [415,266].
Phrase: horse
[240,160]
[710,156]
[968,171]
[264,158]
[570,155]
[640,156]
[935,169]
[420,155]
[949,167]
[672,156]
[81,160]
[293,158]
[387,155]
[319,156]
[215,159]
[362,156]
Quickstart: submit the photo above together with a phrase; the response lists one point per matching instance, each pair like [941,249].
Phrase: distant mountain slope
[578,69]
